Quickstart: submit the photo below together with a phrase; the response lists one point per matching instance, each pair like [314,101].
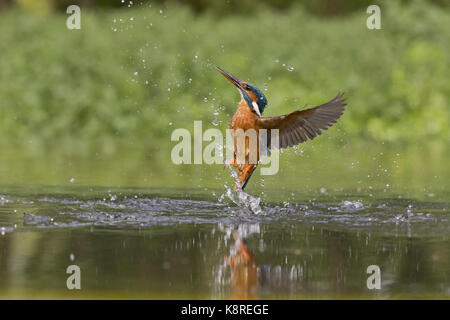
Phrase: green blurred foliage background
[135,72]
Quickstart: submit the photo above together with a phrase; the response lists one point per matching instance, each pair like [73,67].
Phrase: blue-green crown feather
[261,98]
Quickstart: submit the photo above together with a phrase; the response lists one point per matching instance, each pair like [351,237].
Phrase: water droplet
[215,121]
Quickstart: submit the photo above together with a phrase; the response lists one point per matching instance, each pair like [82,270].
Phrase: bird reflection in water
[244,270]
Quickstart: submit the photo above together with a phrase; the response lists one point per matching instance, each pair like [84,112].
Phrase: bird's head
[252,95]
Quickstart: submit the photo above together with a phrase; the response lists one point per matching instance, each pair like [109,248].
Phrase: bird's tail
[244,175]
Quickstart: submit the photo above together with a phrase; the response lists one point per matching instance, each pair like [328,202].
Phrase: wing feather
[301,125]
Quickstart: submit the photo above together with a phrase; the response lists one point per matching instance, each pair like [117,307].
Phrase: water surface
[189,243]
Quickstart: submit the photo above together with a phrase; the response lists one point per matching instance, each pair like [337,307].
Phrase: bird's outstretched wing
[301,125]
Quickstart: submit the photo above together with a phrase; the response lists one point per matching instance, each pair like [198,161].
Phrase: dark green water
[155,243]
[332,211]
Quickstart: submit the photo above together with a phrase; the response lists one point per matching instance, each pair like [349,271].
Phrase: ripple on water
[120,211]
[4,200]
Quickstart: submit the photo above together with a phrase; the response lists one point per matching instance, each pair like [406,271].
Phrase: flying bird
[294,128]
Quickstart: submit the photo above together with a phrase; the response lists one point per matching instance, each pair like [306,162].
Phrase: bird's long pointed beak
[230,77]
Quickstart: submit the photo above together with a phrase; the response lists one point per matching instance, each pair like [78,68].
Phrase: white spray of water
[245,201]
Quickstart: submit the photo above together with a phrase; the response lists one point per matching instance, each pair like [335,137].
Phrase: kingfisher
[293,128]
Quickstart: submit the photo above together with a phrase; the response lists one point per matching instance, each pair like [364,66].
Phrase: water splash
[245,201]
[4,200]
[134,209]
